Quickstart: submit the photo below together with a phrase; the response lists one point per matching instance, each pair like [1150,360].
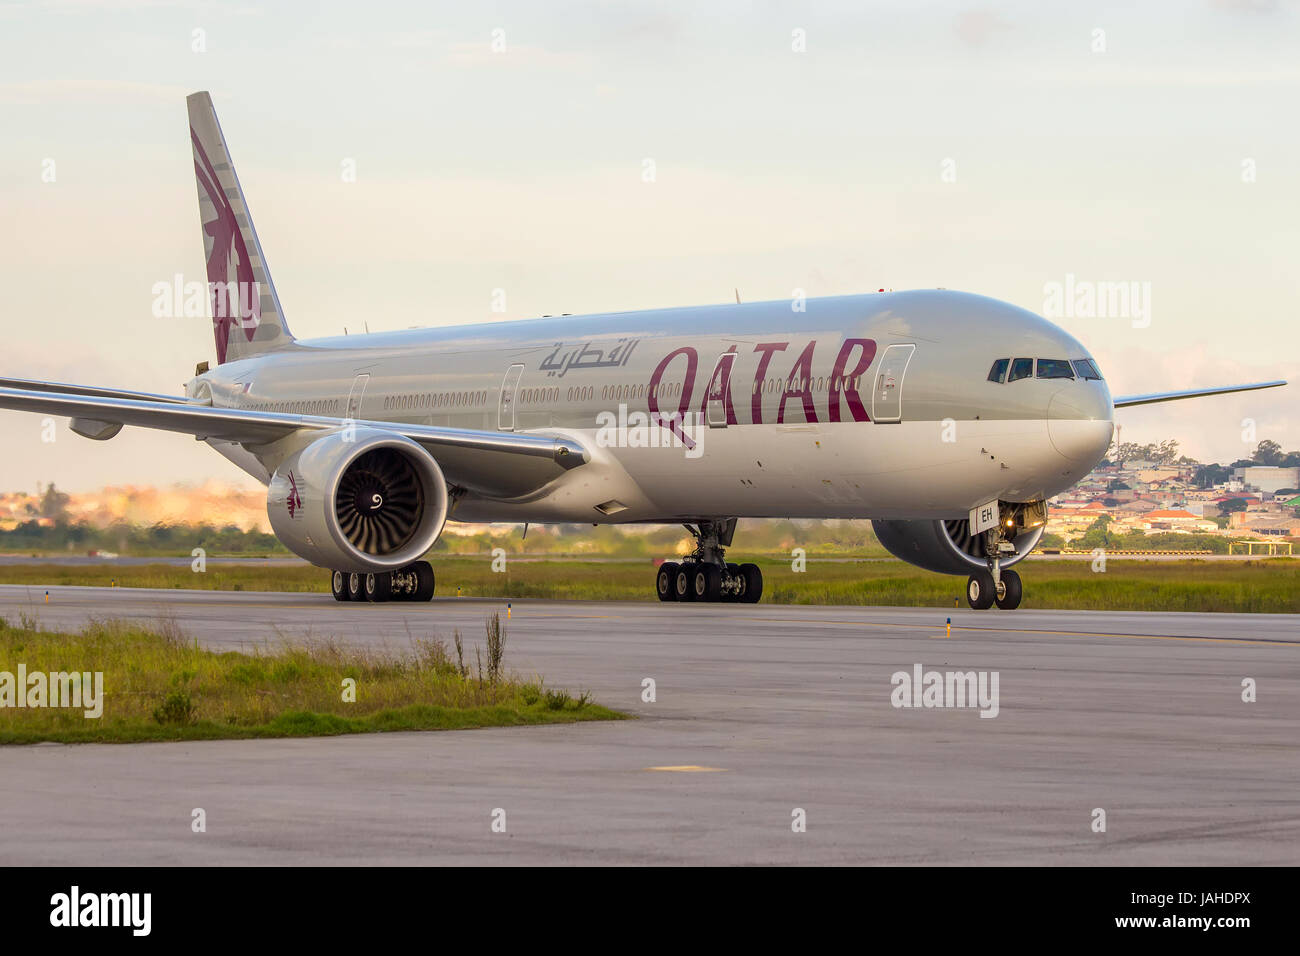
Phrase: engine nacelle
[358,499]
[948,546]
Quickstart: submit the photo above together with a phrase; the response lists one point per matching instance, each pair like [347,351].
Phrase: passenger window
[1087,370]
[998,373]
[1054,368]
[1021,368]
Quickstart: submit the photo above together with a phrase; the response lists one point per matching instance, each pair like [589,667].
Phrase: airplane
[947,418]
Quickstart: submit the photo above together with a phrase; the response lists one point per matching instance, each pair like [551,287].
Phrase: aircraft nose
[1079,422]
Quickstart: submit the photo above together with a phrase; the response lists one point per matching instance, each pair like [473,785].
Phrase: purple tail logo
[293,501]
[235,296]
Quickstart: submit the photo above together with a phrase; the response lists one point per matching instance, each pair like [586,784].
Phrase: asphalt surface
[775,707]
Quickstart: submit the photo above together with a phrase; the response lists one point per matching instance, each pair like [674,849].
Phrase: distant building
[1261,522]
[1268,478]
[1176,520]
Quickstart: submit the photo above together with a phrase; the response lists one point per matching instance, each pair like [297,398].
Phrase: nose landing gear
[984,588]
[982,591]
[705,575]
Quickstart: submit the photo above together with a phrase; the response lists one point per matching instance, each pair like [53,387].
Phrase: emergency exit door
[719,387]
[355,397]
[509,398]
[887,396]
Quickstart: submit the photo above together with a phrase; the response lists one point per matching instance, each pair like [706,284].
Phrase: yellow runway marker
[690,768]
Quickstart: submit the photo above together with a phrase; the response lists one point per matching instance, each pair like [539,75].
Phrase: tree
[1207,476]
[53,502]
[1267,452]
[1166,453]
[1127,450]
[1231,505]
[1097,536]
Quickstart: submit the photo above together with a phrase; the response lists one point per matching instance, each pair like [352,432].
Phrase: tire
[424,581]
[753,584]
[683,582]
[708,583]
[1012,591]
[698,582]
[666,581]
[379,587]
[339,585]
[980,590]
[356,587]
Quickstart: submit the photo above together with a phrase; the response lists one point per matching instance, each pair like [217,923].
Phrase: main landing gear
[706,575]
[412,583]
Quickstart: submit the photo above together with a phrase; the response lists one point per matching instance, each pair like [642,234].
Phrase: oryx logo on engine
[293,500]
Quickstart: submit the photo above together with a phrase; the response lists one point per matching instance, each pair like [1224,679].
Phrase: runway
[760,710]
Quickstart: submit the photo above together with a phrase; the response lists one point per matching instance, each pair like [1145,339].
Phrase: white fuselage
[873,406]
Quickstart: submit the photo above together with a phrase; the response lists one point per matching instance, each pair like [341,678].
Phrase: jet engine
[358,499]
[948,547]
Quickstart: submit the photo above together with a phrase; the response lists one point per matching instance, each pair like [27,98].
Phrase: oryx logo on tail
[234,292]
[240,289]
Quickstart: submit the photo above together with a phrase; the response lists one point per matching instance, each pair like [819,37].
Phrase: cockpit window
[998,373]
[1021,368]
[1054,368]
[1087,370]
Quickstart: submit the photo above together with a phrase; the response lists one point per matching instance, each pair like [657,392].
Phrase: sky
[833,147]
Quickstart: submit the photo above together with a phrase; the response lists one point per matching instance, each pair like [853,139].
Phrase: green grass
[162,686]
[1265,585]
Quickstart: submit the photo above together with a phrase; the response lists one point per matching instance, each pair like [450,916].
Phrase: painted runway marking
[690,768]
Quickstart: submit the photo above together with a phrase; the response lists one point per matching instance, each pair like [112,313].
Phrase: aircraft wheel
[737,587]
[666,581]
[424,581]
[753,584]
[339,585]
[356,587]
[708,583]
[379,587]
[683,582]
[980,590]
[1009,599]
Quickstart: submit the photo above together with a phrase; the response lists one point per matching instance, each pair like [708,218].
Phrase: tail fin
[246,314]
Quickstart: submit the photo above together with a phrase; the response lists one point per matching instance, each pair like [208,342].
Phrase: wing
[1124,401]
[31,385]
[492,463]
